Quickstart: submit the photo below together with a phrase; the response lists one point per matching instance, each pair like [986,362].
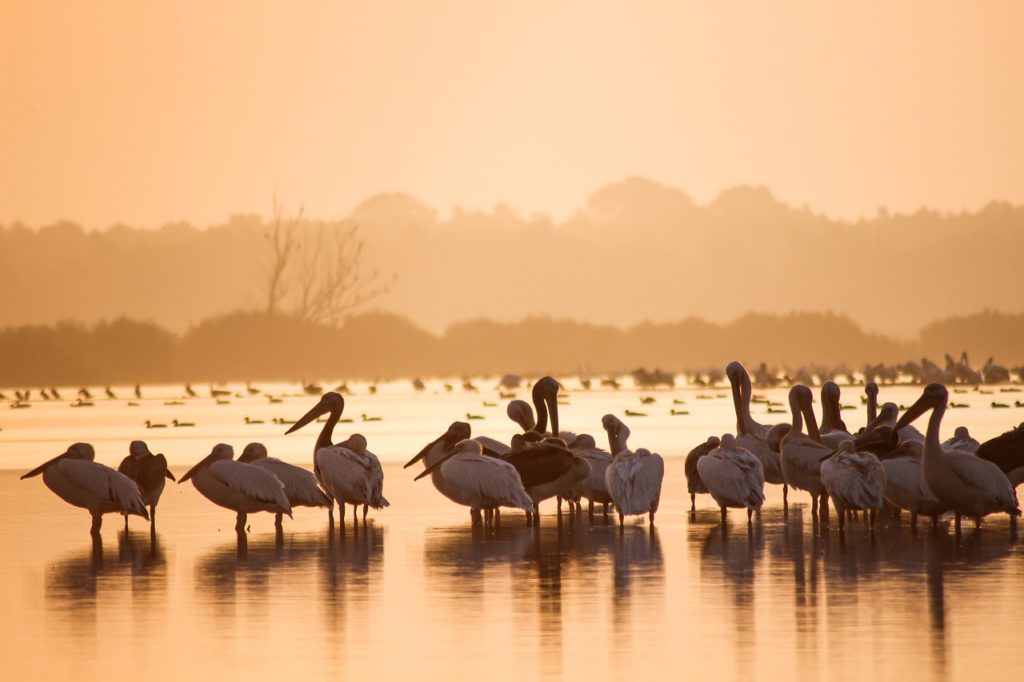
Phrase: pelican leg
[240,522]
[956,523]
[488,516]
[497,516]
[842,519]
[622,520]
[559,498]
[935,521]
[913,519]
[590,508]
[605,512]
[355,514]
[750,516]
[152,516]
[341,512]
[475,515]
[330,515]
[814,506]
[651,517]
[823,508]
[693,500]
[366,508]
[277,520]
[785,497]
[871,518]
[97,521]
[977,522]
[126,522]
[724,515]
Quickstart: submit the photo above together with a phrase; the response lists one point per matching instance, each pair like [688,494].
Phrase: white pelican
[347,471]
[905,486]
[462,473]
[594,487]
[961,440]
[802,454]
[300,486]
[854,481]
[969,485]
[149,472]
[240,487]
[633,478]
[694,484]
[733,476]
[751,435]
[75,478]
[833,430]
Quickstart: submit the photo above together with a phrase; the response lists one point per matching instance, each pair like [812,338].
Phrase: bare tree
[314,270]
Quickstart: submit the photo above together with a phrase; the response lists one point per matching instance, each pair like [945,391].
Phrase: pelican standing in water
[751,435]
[854,481]
[802,454]
[594,487]
[733,476]
[149,472]
[967,484]
[694,484]
[349,472]
[300,486]
[243,488]
[75,478]
[633,478]
[905,486]
[461,472]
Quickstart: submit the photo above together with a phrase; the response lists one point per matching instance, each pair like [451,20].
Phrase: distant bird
[219,392]
[368,418]
[311,389]
[190,391]
[154,425]
[300,486]
[53,392]
[273,400]
[251,390]
[84,393]
[633,413]
[694,484]
[854,481]
[179,424]
[461,472]
[110,393]
[967,484]
[470,417]
[633,478]
[250,420]
[678,413]
[75,478]
[418,384]
[243,488]
[349,472]
[138,392]
[44,394]
[733,476]
[149,472]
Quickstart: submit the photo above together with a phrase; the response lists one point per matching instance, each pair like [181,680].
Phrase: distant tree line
[259,346]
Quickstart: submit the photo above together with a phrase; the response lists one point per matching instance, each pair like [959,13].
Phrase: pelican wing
[694,483]
[300,486]
[598,461]
[360,475]
[150,473]
[110,485]
[251,481]
[856,478]
[493,447]
[541,463]
[488,477]
[1005,451]
[983,475]
[733,475]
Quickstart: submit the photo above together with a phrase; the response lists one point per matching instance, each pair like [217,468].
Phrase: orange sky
[150,112]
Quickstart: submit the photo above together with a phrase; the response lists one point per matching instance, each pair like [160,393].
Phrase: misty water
[417,593]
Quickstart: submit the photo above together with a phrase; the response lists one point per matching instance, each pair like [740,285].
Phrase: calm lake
[419,594]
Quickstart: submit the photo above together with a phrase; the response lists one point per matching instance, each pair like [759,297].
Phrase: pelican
[300,486]
[961,440]
[75,478]
[733,476]
[1007,452]
[633,478]
[594,487]
[833,430]
[149,472]
[518,411]
[462,473]
[905,486]
[244,488]
[802,454]
[694,484]
[349,472]
[969,485]
[749,434]
[854,481]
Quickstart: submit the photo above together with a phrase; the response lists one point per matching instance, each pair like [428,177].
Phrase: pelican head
[220,451]
[252,452]
[521,413]
[727,442]
[584,441]
[356,443]
[871,389]
[545,400]
[734,371]
[463,447]
[935,396]
[961,433]
[617,432]
[74,451]
[138,448]
[775,435]
[330,402]
[457,431]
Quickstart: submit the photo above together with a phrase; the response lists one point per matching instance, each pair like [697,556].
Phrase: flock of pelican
[888,464]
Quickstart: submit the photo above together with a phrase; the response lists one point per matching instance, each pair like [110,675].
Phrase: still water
[417,593]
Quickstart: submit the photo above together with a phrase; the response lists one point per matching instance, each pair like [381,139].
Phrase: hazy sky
[151,112]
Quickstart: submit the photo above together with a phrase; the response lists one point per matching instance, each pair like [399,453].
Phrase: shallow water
[418,593]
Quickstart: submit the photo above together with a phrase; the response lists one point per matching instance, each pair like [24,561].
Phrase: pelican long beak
[828,456]
[191,472]
[430,469]
[317,410]
[913,412]
[169,475]
[42,467]
[423,453]
[552,402]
